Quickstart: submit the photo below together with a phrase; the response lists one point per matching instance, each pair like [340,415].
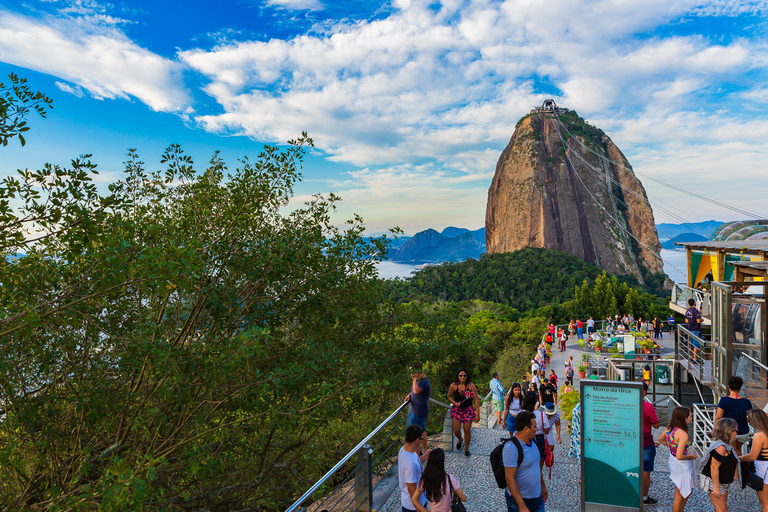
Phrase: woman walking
[571,330]
[681,465]
[721,464]
[463,396]
[657,329]
[759,452]
[735,406]
[438,486]
[513,404]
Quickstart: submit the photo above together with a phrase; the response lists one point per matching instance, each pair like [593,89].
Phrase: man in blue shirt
[419,397]
[498,395]
[693,317]
[526,490]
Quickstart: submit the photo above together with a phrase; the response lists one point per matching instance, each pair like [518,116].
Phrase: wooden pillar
[720,265]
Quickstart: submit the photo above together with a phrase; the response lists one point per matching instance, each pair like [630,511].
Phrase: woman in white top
[438,485]
[513,404]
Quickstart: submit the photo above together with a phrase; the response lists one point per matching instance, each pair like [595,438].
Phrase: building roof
[757,265]
[728,245]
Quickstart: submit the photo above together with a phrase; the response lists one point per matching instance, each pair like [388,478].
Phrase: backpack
[497,461]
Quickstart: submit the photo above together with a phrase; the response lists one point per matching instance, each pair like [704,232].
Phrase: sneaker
[458,445]
[466,453]
[649,501]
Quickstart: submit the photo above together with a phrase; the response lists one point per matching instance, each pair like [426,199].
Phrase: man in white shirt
[409,467]
[590,325]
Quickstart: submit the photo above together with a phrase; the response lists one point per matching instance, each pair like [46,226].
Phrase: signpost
[629,347]
[611,446]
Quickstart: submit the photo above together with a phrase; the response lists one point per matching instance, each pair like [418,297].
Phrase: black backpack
[497,461]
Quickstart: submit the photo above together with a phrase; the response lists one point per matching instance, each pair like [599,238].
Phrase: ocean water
[674,266]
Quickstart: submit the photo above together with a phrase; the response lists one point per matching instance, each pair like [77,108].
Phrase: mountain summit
[558,186]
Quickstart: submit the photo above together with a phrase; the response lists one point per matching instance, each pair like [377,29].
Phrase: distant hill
[524,279]
[683,237]
[432,247]
[667,231]
[452,232]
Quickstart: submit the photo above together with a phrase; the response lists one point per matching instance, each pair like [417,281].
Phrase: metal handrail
[346,458]
[700,435]
[702,297]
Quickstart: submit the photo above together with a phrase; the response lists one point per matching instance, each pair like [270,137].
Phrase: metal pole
[364,480]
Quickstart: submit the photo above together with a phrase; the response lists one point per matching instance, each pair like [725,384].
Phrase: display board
[611,446]
[629,346]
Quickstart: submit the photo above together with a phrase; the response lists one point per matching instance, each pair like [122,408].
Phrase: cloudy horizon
[409,103]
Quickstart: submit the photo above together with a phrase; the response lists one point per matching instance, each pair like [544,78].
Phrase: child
[553,378]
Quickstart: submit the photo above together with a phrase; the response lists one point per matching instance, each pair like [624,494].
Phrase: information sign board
[611,446]
[629,347]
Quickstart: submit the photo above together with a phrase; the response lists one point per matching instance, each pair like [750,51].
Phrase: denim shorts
[649,456]
[511,423]
[533,504]
[420,421]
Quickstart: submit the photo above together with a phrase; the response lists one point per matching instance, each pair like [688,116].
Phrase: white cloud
[297,5]
[95,57]
[75,91]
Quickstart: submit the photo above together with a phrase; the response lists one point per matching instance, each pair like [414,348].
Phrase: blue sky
[410,103]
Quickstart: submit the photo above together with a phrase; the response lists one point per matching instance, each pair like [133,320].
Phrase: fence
[681,294]
[701,427]
[365,477]
[694,354]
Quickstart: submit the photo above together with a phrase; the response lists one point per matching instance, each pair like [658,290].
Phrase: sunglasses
[463,375]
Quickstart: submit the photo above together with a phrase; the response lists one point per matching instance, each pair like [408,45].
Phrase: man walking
[419,398]
[526,490]
[590,325]
[693,317]
[409,467]
[498,395]
[650,420]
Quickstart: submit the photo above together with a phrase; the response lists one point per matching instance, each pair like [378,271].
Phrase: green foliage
[522,279]
[567,401]
[181,341]
[16,101]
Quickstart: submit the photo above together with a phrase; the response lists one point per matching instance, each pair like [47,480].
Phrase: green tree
[178,342]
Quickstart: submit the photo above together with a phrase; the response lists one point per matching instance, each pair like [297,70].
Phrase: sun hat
[549,408]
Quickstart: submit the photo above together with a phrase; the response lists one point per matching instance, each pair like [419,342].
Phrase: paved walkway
[476,478]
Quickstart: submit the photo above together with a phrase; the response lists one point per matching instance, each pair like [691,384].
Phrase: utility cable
[668,184]
[619,224]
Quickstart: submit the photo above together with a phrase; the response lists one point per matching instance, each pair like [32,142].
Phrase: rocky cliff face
[554,193]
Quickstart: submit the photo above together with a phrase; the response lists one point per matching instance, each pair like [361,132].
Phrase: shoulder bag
[456,504]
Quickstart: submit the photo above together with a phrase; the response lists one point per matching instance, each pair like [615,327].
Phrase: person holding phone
[463,397]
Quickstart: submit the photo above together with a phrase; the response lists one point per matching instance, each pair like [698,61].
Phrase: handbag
[456,504]
[749,477]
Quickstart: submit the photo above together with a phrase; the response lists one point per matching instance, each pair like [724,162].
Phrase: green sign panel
[611,445]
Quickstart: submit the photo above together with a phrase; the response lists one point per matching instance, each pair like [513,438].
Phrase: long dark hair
[529,402]
[678,419]
[456,379]
[433,477]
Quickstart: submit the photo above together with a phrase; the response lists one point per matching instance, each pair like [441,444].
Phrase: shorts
[499,405]
[420,421]
[511,423]
[540,444]
[533,504]
[649,457]
[463,415]
[708,485]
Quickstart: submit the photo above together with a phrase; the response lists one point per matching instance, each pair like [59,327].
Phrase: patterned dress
[575,449]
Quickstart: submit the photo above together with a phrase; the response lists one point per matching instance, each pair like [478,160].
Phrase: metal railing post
[447,432]
[484,415]
[364,480]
